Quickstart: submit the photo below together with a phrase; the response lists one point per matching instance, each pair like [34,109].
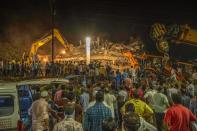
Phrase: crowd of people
[114,100]
[38,69]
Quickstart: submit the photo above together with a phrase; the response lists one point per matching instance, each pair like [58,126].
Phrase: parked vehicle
[16,99]
[9,107]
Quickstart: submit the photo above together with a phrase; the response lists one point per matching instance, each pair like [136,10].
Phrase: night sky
[24,21]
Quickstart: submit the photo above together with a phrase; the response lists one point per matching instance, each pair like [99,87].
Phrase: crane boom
[36,45]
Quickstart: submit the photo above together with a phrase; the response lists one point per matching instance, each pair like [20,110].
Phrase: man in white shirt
[172,90]
[133,73]
[84,99]
[149,95]
[123,93]
[173,74]
[110,100]
[194,75]
[191,89]
[160,104]
[39,112]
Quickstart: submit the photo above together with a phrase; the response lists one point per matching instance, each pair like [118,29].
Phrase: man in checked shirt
[96,114]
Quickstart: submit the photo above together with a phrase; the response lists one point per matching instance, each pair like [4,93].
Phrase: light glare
[88,40]
[63,52]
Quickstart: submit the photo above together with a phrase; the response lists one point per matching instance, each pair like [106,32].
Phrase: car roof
[45,81]
[7,87]
[71,76]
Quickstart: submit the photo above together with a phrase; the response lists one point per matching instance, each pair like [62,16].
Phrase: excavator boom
[36,45]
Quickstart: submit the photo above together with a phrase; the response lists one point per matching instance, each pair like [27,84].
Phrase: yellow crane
[36,45]
[179,34]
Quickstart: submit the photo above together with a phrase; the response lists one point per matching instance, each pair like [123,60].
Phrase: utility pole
[52,27]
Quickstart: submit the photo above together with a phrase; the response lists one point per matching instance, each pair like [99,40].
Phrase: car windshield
[6,105]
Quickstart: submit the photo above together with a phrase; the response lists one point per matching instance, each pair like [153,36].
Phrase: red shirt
[140,93]
[131,92]
[178,118]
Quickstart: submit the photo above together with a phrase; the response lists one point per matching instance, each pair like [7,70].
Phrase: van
[16,99]
[9,107]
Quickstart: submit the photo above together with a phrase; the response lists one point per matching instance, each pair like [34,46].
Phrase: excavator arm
[36,45]
[176,34]
[180,34]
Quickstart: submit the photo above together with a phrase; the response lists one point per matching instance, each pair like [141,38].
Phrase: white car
[9,107]
[16,99]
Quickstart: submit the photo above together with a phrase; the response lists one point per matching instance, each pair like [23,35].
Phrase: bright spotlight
[45,60]
[63,52]
[88,40]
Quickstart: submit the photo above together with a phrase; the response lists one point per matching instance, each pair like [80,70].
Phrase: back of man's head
[84,90]
[63,87]
[131,121]
[109,124]
[176,98]
[99,96]
[44,94]
[159,89]
[107,90]
[129,107]
[151,86]
[70,96]
[176,86]
[122,87]
[135,94]
[69,109]
[183,91]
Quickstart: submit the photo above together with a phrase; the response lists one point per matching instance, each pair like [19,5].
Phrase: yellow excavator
[178,34]
[36,45]
[164,35]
